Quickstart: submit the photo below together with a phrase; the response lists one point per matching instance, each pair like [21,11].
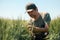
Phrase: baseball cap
[30,7]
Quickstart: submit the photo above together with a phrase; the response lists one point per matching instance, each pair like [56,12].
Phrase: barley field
[17,30]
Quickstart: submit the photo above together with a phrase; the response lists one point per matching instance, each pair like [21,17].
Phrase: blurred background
[14,9]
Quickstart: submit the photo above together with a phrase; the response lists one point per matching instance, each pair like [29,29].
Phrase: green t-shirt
[39,22]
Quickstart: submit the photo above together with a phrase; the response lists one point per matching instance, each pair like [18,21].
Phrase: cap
[31,7]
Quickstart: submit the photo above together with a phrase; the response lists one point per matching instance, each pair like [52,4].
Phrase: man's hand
[29,27]
[37,29]
[33,29]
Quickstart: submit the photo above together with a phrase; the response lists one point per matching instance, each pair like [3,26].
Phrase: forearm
[37,29]
[40,29]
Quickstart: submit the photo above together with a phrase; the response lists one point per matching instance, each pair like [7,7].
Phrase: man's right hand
[29,27]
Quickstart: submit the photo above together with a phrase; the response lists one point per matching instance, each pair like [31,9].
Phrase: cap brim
[29,10]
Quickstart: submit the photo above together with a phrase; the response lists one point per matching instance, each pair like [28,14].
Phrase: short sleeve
[47,18]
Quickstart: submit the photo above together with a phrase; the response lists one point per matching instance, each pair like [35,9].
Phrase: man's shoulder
[43,14]
[46,17]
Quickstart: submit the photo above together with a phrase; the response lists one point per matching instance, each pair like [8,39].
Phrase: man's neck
[37,16]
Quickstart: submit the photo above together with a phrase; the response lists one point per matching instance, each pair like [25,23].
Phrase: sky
[15,9]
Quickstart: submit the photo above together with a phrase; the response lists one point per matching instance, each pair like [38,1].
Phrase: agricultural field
[17,30]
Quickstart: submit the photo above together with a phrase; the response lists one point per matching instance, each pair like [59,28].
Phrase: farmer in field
[41,25]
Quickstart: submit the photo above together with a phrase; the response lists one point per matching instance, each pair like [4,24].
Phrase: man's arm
[38,29]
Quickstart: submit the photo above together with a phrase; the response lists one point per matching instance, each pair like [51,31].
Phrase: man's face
[32,13]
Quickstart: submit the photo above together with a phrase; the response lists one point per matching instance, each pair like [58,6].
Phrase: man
[40,28]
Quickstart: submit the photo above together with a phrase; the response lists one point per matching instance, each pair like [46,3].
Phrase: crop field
[17,30]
